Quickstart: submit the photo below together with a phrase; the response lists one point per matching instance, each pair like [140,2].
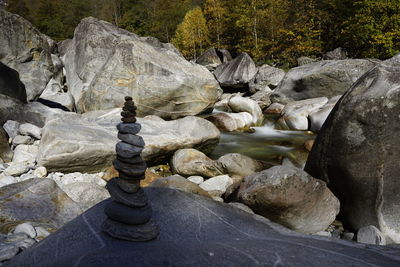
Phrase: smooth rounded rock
[134,170]
[129,128]
[132,139]
[127,151]
[127,215]
[132,160]
[138,199]
[142,232]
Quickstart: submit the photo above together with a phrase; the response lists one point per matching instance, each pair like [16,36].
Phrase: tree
[215,12]
[192,36]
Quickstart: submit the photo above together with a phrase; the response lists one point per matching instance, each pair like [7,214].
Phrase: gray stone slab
[199,232]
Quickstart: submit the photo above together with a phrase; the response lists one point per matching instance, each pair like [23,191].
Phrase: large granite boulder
[104,63]
[357,151]
[10,84]
[236,74]
[289,196]
[267,77]
[324,78]
[25,49]
[89,143]
[38,200]
[197,231]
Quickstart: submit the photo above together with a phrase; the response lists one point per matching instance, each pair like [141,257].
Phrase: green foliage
[274,31]
[192,36]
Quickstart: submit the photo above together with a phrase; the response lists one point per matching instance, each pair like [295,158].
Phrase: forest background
[271,31]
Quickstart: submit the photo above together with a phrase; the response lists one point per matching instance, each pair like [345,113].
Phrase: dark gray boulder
[236,74]
[197,231]
[25,49]
[10,84]
[357,151]
[323,78]
[213,57]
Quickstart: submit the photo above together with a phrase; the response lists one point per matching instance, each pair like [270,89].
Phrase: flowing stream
[266,143]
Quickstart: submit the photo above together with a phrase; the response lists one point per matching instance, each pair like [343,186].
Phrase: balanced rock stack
[129,213]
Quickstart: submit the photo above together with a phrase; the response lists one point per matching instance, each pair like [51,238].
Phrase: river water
[266,143]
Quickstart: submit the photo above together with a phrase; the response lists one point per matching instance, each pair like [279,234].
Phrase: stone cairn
[129,213]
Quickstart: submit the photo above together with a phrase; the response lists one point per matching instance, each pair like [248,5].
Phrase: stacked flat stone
[129,213]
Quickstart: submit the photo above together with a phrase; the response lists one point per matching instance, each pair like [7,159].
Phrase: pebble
[132,139]
[196,179]
[129,128]
[26,228]
[31,130]
[127,151]
[216,186]
[22,140]
[40,172]
[347,235]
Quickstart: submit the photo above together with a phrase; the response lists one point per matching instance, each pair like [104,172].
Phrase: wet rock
[188,162]
[325,78]
[291,197]
[295,114]
[236,74]
[370,235]
[178,182]
[217,186]
[104,63]
[36,200]
[30,130]
[364,120]
[26,50]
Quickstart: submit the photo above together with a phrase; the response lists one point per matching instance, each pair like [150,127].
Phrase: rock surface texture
[26,50]
[129,214]
[198,231]
[104,63]
[289,196]
[324,78]
[357,151]
[236,74]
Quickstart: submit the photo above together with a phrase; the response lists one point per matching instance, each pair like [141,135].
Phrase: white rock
[31,130]
[26,228]
[370,235]
[17,168]
[11,127]
[26,176]
[196,179]
[244,104]
[216,186]
[25,153]
[22,140]
[40,172]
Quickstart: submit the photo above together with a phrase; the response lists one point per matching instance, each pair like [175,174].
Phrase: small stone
[132,139]
[128,98]
[370,235]
[196,179]
[309,144]
[22,140]
[124,214]
[11,127]
[17,168]
[26,153]
[129,128]
[129,108]
[127,151]
[129,119]
[132,160]
[7,252]
[347,235]
[144,232]
[134,170]
[40,172]
[138,199]
[128,114]
[217,185]
[26,228]
[31,130]
[130,177]
[128,186]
